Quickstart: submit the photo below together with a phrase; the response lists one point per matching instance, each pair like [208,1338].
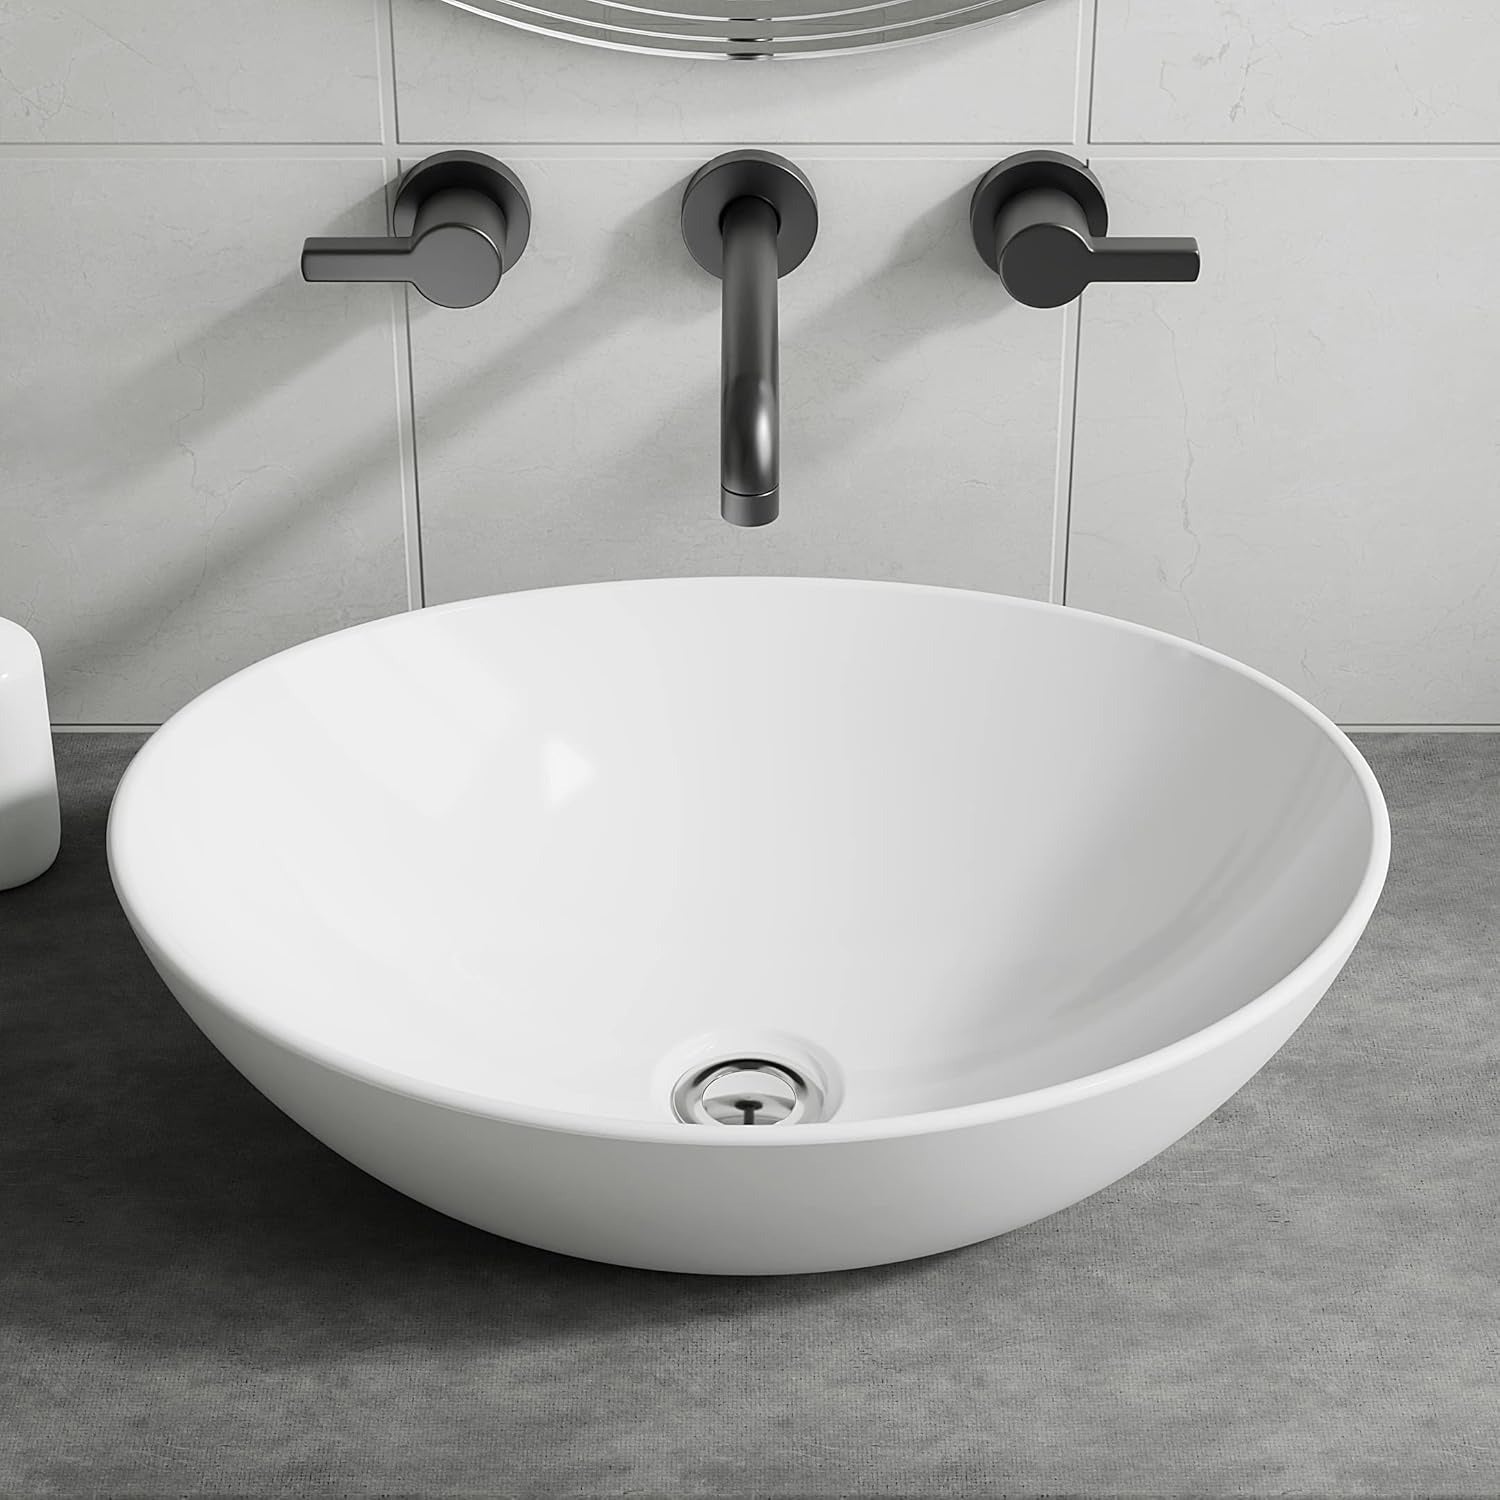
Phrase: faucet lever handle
[1146,258]
[1039,220]
[455,258]
[462,220]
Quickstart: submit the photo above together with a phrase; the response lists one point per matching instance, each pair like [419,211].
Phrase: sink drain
[745,1091]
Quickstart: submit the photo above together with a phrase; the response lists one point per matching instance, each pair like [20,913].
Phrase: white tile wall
[202,459]
[1297,460]
[568,430]
[199,462]
[188,70]
[1306,71]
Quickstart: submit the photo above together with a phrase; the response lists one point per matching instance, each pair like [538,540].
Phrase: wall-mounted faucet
[459,221]
[749,217]
[1039,220]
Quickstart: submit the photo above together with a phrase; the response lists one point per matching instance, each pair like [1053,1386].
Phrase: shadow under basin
[154,1199]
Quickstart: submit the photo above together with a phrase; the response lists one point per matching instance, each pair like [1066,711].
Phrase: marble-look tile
[1295,460]
[461,76]
[187,70]
[1296,70]
[200,461]
[568,428]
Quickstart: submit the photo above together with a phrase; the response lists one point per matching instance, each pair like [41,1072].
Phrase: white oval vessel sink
[748,925]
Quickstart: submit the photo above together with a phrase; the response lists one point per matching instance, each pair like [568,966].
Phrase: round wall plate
[466,169]
[749,174]
[1021,173]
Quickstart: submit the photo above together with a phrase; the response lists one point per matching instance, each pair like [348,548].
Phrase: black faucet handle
[1039,219]
[461,221]
[454,260]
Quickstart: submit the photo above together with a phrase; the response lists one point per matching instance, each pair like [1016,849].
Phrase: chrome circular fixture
[746,1091]
[743,29]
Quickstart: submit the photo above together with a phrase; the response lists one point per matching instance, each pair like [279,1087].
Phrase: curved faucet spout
[750,394]
[749,217]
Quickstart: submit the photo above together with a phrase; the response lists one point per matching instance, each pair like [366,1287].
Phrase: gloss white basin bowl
[1019,894]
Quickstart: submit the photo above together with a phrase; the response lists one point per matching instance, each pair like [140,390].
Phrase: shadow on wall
[598,314]
[154,1200]
[932,283]
[145,602]
[253,351]
[917,282]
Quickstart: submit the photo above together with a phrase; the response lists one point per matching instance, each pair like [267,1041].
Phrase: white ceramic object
[30,826]
[1028,892]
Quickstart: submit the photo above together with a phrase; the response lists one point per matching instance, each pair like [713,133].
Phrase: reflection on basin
[748,925]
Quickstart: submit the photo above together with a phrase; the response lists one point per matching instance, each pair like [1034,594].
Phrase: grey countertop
[1301,1297]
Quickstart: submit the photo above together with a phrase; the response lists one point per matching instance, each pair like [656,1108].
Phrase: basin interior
[534,850]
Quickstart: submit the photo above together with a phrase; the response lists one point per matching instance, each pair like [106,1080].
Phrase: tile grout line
[1456,728]
[382,150]
[192,150]
[1088,22]
[406,418]
[1067,441]
[1308,151]
[406,440]
[1067,412]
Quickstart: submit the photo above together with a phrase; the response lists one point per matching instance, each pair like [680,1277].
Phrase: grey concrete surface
[1300,1298]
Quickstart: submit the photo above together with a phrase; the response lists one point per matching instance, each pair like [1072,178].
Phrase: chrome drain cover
[745,1091]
